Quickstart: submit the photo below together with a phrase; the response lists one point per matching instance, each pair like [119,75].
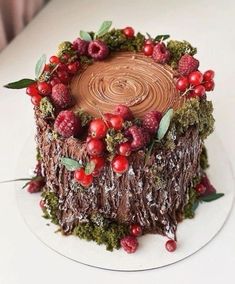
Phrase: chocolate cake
[121,123]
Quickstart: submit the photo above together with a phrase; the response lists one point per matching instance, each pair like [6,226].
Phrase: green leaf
[89,168]
[70,164]
[104,28]
[211,197]
[164,124]
[85,36]
[161,37]
[148,35]
[40,66]
[195,205]
[21,84]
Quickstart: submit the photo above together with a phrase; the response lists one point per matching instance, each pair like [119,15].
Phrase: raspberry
[124,112]
[138,135]
[209,187]
[160,53]
[67,124]
[151,121]
[35,185]
[81,46]
[187,64]
[98,50]
[129,244]
[60,96]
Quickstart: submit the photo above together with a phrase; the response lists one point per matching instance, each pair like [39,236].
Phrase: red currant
[195,78]
[116,122]
[200,189]
[42,204]
[136,230]
[32,90]
[209,85]
[87,180]
[149,41]
[120,164]
[208,75]
[98,128]
[79,174]
[63,77]
[54,60]
[73,67]
[199,91]
[44,88]
[171,245]
[47,68]
[148,49]
[62,67]
[36,100]
[124,149]
[54,81]
[95,147]
[99,163]
[182,84]
[128,32]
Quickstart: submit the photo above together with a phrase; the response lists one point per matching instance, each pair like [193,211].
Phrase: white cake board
[192,234]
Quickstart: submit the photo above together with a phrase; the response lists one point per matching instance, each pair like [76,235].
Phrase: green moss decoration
[195,113]
[51,205]
[85,60]
[204,158]
[84,117]
[177,49]
[113,138]
[64,47]
[46,108]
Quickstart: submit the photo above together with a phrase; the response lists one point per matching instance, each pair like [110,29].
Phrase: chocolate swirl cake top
[126,78]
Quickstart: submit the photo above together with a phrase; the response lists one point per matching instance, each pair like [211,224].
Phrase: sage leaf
[40,66]
[164,124]
[211,197]
[21,84]
[195,205]
[70,164]
[161,37]
[89,168]
[104,28]
[85,36]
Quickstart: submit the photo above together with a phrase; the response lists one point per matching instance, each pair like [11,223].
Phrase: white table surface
[207,24]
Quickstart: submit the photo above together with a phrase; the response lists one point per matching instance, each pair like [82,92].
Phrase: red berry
[136,230]
[171,245]
[60,96]
[54,81]
[87,180]
[65,57]
[62,67]
[63,76]
[47,68]
[120,164]
[54,60]
[160,53]
[209,85]
[187,64]
[99,163]
[128,32]
[81,46]
[124,149]
[200,188]
[35,185]
[95,147]
[98,50]
[124,112]
[149,41]
[73,67]
[148,49]
[199,90]
[116,122]
[42,204]
[209,187]
[129,244]
[137,136]
[98,128]
[44,88]
[195,78]
[208,75]
[36,100]
[79,174]
[182,84]
[32,90]
[151,121]
[67,124]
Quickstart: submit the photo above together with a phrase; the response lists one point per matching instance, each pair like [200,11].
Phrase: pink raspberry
[187,64]
[129,244]
[81,46]
[138,137]
[60,96]
[124,112]
[207,184]
[151,121]
[160,53]
[98,50]
[67,124]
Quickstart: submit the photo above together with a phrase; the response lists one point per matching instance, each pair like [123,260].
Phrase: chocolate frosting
[126,78]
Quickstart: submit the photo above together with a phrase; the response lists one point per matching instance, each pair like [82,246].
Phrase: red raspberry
[129,244]
[138,137]
[160,53]
[98,50]
[35,185]
[151,121]
[124,112]
[67,124]
[81,46]
[209,187]
[60,96]
[187,64]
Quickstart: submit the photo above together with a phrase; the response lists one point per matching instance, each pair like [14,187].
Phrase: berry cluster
[157,50]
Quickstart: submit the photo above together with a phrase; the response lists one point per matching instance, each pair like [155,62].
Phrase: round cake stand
[192,234]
